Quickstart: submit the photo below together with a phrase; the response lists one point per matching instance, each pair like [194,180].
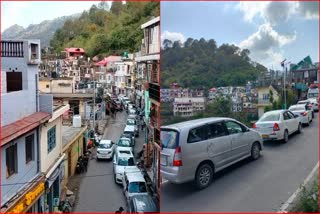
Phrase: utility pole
[94,106]
[284,84]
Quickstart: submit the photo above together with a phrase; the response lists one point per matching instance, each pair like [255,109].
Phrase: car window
[169,138]
[217,130]
[286,116]
[198,134]
[125,161]
[137,187]
[291,115]
[270,116]
[104,146]
[124,143]
[131,122]
[233,128]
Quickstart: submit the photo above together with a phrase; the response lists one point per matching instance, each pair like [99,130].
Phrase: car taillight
[177,157]
[276,127]
[254,126]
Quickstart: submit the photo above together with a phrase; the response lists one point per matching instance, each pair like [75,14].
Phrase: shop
[31,200]
[54,185]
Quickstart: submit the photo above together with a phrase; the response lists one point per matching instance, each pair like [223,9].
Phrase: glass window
[104,146]
[286,116]
[12,160]
[51,138]
[217,130]
[29,142]
[126,161]
[291,115]
[137,187]
[124,142]
[272,116]
[169,138]
[198,134]
[233,128]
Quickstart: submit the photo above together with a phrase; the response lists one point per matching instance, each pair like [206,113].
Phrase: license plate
[163,160]
[265,136]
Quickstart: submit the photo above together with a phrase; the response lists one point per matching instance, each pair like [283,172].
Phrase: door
[239,139]
[287,120]
[294,122]
[219,144]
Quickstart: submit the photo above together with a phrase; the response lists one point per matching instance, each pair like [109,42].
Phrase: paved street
[98,192]
[251,186]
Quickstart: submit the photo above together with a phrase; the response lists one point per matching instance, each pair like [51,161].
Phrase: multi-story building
[188,106]
[150,57]
[23,112]
[264,97]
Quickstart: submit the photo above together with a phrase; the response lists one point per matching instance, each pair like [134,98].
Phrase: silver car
[196,149]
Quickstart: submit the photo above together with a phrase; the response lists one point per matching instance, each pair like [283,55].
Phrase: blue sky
[272,31]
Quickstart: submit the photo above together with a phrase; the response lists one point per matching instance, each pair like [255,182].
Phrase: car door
[219,144]
[286,121]
[294,122]
[240,139]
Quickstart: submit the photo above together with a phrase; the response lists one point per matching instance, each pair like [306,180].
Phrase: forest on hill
[202,64]
[104,31]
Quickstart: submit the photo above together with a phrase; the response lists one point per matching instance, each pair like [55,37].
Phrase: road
[251,186]
[98,191]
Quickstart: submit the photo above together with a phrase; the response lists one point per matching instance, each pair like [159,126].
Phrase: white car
[314,103]
[302,112]
[278,125]
[125,143]
[134,184]
[308,105]
[133,122]
[105,149]
[122,160]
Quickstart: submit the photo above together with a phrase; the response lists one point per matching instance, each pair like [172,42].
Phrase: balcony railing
[12,49]
[154,92]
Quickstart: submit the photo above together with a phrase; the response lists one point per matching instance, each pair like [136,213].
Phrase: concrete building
[263,98]
[57,85]
[188,106]
[74,52]
[23,111]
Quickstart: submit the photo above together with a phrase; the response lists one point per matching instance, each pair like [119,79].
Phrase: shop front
[31,200]
[53,185]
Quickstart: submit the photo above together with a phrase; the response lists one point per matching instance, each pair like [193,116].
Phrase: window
[29,148]
[217,130]
[47,86]
[233,128]
[198,134]
[34,51]
[286,116]
[51,138]
[265,96]
[291,115]
[14,81]
[11,160]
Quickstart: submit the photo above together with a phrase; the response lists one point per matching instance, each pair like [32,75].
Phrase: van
[134,184]
[196,149]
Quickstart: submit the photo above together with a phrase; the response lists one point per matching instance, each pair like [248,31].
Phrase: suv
[123,160]
[125,143]
[196,149]
[134,184]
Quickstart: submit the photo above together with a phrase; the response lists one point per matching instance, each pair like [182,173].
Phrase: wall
[26,172]
[43,86]
[155,46]
[56,88]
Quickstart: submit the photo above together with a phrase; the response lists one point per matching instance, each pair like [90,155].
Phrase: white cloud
[11,13]
[309,9]
[251,9]
[173,36]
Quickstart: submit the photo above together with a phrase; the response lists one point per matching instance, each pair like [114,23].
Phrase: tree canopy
[201,63]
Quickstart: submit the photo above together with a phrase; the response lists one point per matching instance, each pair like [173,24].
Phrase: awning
[20,127]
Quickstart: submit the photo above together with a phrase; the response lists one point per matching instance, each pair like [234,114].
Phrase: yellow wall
[43,86]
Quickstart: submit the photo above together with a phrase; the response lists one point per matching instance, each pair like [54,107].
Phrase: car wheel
[286,136]
[255,151]
[204,176]
[300,128]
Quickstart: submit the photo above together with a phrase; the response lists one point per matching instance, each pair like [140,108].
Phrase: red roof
[74,50]
[105,61]
[22,126]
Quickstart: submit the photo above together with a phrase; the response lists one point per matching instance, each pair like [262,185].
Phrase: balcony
[154,92]
[12,49]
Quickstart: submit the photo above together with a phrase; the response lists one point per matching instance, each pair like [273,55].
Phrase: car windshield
[313,95]
[124,143]
[104,146]
[169,138]
[272,116]
[297,108]
[137,187]
[125,161]
[131,122]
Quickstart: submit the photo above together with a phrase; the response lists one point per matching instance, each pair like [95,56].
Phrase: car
[303,112]
[313,92]
[129,130]
[314,103]
[124,142]
[130,136]
[127,103]
[278,125]
[309,106]
[132,111]
[134,184]
[133,122]
[118,105]
[142,204]
[196,149]
[105,149]
[123,160]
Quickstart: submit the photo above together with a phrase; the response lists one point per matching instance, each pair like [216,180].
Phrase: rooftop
[69,133]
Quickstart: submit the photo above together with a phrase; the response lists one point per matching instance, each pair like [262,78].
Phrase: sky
[272,31]
[25,13]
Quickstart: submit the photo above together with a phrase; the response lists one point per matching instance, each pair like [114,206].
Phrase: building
[150,58]
[23,112]
[51,156]
[264,98]
[57,85]
[188,106]
[74,52]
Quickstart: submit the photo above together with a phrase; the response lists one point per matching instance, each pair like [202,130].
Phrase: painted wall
[26,172]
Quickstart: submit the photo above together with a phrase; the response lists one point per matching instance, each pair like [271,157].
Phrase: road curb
[286,205]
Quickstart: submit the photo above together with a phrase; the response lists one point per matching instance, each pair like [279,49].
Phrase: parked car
[196,149]
[105,149]
[123,160]
[133,122]
[134,184]
[315,104]
[127,103]
[129,130]
[278,125]
[118,105]
[142,204]
[124,142]
[302,111]
[130,136]
[309,106]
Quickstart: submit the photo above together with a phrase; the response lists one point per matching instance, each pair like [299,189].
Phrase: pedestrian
[120,210]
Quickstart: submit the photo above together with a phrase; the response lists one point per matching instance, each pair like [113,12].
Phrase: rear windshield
[313,95]
[124,161]
[124,143]
[131,122]
[169,138]
[104,146]
[137,187]
[270,117]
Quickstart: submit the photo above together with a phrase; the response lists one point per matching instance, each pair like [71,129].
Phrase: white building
[188,106]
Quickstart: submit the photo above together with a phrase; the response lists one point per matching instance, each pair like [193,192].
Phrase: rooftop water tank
[76,121]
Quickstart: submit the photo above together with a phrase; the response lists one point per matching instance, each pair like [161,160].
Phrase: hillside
[201,63]
[102,31]
[43,31]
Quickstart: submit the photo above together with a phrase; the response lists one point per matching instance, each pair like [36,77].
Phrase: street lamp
[284,65]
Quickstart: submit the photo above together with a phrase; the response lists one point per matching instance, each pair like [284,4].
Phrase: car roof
[298,105]
[105,142]
[135,177]
[196,122]
[304,101]
[124,153]
[129,128]
[144,203]
[275,111]
[124,138]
